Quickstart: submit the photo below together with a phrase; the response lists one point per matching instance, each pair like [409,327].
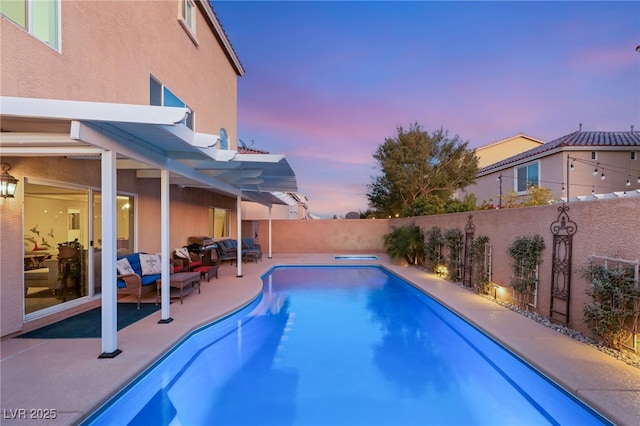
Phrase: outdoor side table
[207,271]
[183,282]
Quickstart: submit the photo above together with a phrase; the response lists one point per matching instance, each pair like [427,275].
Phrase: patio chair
[252,250]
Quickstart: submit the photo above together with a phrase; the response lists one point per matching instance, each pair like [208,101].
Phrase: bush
[405,242]
[613,313]
[433,248]
[526,256]
[480,272]
[453,240]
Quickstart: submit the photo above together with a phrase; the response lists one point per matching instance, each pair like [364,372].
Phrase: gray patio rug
[88,324]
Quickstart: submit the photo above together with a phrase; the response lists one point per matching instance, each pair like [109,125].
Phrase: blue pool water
[342,345]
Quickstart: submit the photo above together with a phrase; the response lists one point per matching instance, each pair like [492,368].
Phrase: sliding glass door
[63,243]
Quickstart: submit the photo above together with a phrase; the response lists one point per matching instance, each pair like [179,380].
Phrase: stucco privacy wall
[607,228]
[324,236]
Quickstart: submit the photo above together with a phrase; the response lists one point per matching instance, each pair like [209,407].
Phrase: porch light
[8,183]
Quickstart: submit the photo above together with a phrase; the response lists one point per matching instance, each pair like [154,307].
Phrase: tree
[420,172]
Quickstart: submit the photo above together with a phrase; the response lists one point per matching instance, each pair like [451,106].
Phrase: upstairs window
[41,18]
[634,155]
[160,95]
[187,18]
[527,176]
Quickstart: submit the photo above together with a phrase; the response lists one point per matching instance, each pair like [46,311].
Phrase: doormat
[88,324]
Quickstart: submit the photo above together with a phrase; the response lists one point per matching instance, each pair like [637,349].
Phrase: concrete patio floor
[66,375]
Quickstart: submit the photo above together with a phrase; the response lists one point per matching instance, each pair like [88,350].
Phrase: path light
[8,183]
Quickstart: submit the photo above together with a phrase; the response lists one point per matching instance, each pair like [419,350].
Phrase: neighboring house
[505,148]
[576,165]
[119,123]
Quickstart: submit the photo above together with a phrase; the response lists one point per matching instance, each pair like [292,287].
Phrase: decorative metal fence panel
[563,229]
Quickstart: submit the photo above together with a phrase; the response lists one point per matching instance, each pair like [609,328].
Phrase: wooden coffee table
[183,282]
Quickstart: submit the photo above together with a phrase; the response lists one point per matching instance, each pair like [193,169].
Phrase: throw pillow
[124,267]
[182,252]
[150,264]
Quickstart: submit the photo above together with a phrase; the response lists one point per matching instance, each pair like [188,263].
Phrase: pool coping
[66,375]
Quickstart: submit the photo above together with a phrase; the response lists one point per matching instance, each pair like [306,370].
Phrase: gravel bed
[627,356]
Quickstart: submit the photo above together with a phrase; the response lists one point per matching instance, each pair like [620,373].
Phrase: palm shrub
[405,242]
[526,255]
[614,310]
[433,248]
[453,241]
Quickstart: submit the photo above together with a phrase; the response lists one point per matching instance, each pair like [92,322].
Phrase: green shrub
[433,248]
[480,272]
[526,256]
[614,311]
[453,240]
[405,242]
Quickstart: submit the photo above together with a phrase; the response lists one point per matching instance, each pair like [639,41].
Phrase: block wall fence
[604,228]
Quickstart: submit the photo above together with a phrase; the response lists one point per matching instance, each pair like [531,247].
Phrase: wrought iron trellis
[563,229]
[467,271]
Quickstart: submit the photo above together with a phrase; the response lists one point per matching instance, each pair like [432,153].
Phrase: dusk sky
[327,82]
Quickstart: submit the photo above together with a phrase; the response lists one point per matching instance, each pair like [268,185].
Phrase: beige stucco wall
[325,236]
[108,51]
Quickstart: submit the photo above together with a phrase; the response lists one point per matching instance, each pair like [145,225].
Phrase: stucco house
[505,148]
[119,123]
[573,166]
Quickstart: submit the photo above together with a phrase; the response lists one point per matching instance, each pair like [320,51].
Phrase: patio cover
[147,138]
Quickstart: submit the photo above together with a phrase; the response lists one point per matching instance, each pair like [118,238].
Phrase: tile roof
[575,139]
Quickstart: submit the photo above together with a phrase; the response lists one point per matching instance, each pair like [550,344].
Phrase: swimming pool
[342,345]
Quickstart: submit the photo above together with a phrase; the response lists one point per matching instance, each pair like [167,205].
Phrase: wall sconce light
[8,183]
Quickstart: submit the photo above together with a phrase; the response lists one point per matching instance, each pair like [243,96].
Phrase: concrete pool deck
[66,375]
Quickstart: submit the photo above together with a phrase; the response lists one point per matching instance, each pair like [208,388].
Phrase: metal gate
[467,270]
[563,230]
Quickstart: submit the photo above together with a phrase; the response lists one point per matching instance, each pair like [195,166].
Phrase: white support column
[165,234]
[239,234]
[270,205]
[109,331]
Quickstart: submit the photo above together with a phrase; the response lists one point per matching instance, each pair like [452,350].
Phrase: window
[526,176]
[41,18]
[159,95]
[187,13]
[594,155]
[187,18]
[634,155]
[218,222]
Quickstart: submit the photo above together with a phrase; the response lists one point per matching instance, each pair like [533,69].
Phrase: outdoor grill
[205,247]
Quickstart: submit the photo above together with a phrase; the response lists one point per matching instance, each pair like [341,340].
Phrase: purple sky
[327,82]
